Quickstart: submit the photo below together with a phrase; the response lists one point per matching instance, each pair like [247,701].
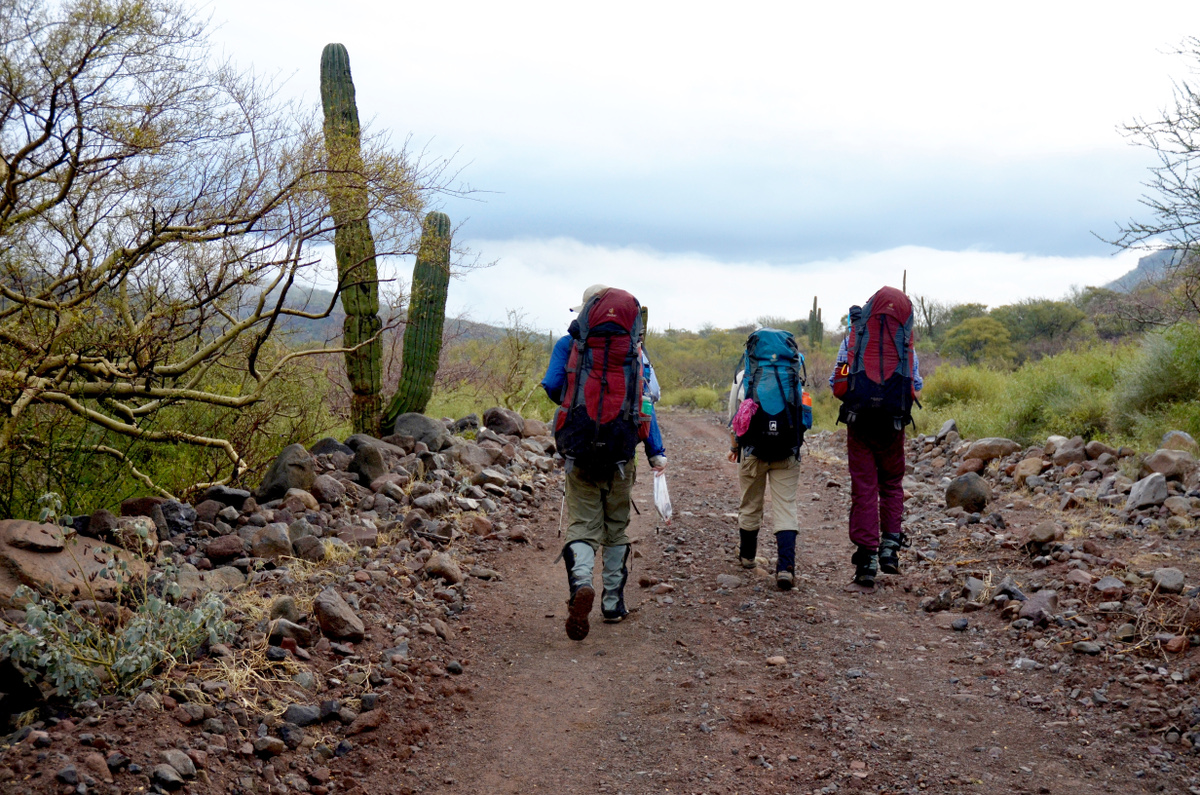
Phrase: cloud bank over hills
[544,277]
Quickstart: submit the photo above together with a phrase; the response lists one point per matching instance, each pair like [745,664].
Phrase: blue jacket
[555,381]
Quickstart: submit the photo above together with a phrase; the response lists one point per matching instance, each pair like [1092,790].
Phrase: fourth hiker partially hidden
[877,378]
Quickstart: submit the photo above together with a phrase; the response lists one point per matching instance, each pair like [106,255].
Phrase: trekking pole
[561,507]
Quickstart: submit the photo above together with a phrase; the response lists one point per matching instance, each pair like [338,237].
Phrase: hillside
[329,329]
[1149,268]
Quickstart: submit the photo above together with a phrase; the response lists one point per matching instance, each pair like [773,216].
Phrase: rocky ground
[1041,638]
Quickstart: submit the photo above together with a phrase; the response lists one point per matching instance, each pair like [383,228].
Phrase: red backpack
[876,383]
[599,424]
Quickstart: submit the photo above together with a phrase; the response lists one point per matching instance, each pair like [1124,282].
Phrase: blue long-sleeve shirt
[844,356]
[555,380]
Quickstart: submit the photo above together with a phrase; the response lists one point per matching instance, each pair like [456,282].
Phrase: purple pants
[876,490]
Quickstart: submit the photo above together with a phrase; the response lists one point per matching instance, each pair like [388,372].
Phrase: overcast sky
[725,162]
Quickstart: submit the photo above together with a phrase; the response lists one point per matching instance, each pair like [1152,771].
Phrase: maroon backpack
[599,424]
[878,378]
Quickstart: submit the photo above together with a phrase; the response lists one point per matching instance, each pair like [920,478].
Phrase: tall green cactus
[353,244]
[816,326]
[426,317]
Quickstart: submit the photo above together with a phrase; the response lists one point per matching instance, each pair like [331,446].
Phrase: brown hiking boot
[578,608]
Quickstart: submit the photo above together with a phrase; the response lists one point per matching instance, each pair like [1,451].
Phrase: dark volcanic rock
[329,445]
[368,463]
[505,422]
[293,468]
[970,492]
[227,496]
[424,429]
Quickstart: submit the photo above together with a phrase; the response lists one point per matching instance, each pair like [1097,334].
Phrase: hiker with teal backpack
[877,377]
[769,411]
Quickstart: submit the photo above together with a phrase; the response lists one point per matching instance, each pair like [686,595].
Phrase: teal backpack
[774,376]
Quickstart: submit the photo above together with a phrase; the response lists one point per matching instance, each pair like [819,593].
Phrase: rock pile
[346,571]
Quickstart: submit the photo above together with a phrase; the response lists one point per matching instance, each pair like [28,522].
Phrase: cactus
[816,327]
[426,317]
[353,244]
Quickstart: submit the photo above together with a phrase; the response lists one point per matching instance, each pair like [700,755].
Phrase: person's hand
[732,456]
[658,463]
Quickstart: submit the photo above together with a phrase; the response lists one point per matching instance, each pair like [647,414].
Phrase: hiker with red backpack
[596,376]
[877,377]
[769,411]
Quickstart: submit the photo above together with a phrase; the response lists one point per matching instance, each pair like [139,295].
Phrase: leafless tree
[155,210]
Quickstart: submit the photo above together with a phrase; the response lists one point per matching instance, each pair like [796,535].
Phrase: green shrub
[700,397]
[85,658]
[1069,394]
[951,385]
[1158,391]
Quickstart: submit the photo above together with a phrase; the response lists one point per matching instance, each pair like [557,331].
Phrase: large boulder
[969,492]
[136,533]
[465,424]
[1095,449]
[180,518]
[1180,440]
[227,496]
[536,428]
[505,422]
[992,447]
[1029,467]
[948,427]
[336,619]
[293,468]
[1148,492]
[328,490]
[1171,464]
[368,464]
[476,458]
[271,542]
[329,445]
[194,584]
[1072,451]
[225,548]
[358,440]
[29,556]
[424,429]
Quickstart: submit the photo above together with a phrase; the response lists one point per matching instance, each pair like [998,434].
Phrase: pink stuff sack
[741,420]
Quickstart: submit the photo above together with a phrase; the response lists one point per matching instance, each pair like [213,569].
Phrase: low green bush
[699,397]
[1069,394]
[84,658]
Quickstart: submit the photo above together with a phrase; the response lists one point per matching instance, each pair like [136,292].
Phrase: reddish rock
[1176,645]
[225,548]
[74,574]
[971,465]
[372,719]
[33,536]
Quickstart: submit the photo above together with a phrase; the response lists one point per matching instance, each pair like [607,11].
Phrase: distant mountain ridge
[1149,268]
[328,330]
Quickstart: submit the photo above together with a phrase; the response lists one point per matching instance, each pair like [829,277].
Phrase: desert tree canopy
[156,207]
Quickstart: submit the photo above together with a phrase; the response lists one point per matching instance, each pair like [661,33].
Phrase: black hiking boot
[578,608]
[890,545]
[864,561]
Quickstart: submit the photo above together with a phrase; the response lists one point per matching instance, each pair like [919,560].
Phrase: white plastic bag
[662,497]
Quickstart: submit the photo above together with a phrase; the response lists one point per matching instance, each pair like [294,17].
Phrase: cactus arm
[426,318]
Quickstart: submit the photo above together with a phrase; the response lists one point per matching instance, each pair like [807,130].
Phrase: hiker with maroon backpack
[596,377]
[769,411]
[877,378]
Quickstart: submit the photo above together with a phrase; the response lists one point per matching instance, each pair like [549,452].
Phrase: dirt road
[872,694]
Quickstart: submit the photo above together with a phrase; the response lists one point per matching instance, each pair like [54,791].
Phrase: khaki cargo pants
[598,513]
[784,477]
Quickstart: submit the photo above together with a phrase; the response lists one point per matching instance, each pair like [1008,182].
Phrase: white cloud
[544,278]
